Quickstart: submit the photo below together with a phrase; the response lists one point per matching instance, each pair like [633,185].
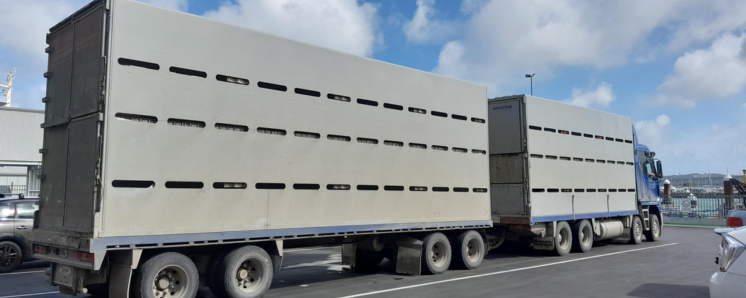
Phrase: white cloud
[182,5]
[424,27]
[599,98]
[713,73]
[652,132]
[343,25]
[505,39]
[663,120]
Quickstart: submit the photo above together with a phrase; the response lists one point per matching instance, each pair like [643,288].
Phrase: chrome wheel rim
[638,230]
[472,250]
[438,254]
[656,229]
[249,276]
[564,238]
[170,281]
[8,256]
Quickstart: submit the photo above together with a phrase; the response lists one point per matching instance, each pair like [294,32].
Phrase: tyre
[582,236]
[244,272]
[655,229]
[11,256]
[436,253]
[635,231]
[367,261]
[563,241]
[468,250]
[168,274]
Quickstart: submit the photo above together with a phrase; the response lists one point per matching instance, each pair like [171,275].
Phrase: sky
[677,68]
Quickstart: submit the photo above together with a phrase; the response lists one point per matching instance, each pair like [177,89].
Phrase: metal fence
[12,191]
[714,206]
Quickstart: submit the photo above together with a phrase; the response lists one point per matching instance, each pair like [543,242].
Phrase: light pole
[531,77]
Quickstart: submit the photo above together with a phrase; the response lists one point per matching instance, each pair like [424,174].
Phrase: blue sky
[677,68]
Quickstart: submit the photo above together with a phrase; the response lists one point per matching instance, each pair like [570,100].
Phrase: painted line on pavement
[501,272]
[27,295]
[23,272]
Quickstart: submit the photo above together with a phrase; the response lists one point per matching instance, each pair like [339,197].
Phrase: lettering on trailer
[505,107]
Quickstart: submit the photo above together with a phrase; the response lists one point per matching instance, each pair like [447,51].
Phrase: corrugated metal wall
[20,135]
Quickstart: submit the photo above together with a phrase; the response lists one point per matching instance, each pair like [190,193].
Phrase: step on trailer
[563,176]
[180,151]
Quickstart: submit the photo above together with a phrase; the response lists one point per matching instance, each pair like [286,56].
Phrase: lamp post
[531,77]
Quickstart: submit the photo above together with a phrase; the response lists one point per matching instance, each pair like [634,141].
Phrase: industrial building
[20,140]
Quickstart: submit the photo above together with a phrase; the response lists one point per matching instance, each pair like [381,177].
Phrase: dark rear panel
[72,128]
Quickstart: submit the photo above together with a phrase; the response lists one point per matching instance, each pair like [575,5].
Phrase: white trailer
[181,151]
[564,176]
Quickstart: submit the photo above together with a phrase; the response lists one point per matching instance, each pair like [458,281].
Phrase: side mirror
[659,167]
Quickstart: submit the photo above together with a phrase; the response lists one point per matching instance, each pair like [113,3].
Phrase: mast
[8,88]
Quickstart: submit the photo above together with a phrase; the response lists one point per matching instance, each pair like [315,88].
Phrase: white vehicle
[730,280]
[179,151]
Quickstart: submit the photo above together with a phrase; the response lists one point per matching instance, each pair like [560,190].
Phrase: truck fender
[121,266]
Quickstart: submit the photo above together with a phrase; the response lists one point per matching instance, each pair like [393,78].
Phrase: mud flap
[543,243]
[120,275]
[409,256]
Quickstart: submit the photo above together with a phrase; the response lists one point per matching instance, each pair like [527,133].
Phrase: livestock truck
[181,152]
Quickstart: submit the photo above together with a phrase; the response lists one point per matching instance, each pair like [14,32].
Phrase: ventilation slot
[579,190]
[588,135]
[566,190]
[233,80]
[564,158]
[620,162]
[609,139]
[564,132]
[534,127]
[132,183]
[537,156]
[307,92]
[231,127]
[137,63]
[367,102]
[187,72]
[477,120]
[479,190]
[271,86]
[417,110]
[338,186]
[630,164]
[393,143]
[367,141]
[611,162]
[306,186]
[537,190]
[591,190]
[367,187]
[440,148]
[552,190]
[338,97]
[612,190]
[184,184]
[601,161]
[417,145]
[338,138]
[590,160]
[575,133]
[393,106]
[272,131]
[270,186]
[550,129]
[187,123]
[308,135]
[229,185]
[600,137]
[418,188]
[438,114]
[477,151]
[136,118]
[628,141]
[440,189]
[619,140]
[393,188]
[458,117]
[551,157]
[631,190]
[460,150]
[601,190]
[622,190]
[577,159]
[460,189]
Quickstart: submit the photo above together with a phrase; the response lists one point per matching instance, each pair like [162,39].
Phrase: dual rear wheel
[466,250]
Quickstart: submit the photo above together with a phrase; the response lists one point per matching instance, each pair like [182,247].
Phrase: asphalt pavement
[679,265]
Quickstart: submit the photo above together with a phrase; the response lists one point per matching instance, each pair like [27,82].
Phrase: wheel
[11,256]
[563,241]
[582,236]
[168,274]
[469,250]
[436,253]
[655,229]
[367,261]
[635,231]
[244,272]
